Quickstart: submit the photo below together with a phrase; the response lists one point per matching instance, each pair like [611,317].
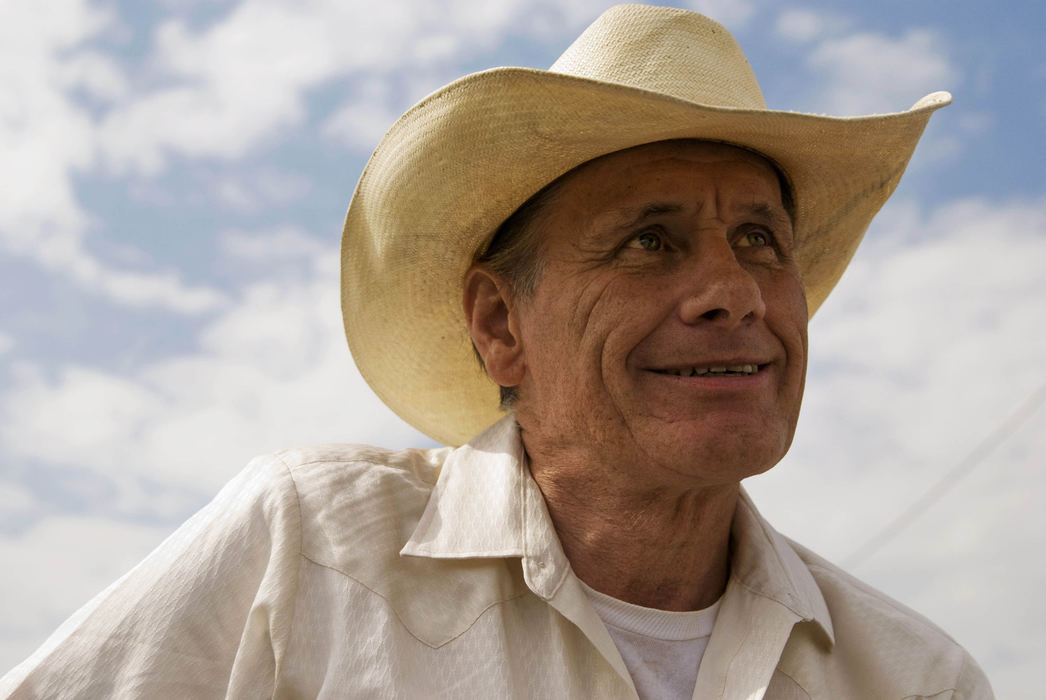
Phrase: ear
[493,326]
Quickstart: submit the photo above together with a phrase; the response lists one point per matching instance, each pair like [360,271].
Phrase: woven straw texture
[463,159]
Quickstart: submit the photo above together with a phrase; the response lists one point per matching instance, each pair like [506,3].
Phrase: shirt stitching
[396,613]
[797,683]
[755,592]
[297,571]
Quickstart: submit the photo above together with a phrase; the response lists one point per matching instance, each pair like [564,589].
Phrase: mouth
[742,370]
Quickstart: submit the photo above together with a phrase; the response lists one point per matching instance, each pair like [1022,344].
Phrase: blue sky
[175,177]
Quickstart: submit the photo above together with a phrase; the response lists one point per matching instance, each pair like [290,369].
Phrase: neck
[665,547]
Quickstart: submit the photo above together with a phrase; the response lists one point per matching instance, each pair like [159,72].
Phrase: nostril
[716,314]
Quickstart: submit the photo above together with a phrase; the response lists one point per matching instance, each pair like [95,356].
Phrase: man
[631,243]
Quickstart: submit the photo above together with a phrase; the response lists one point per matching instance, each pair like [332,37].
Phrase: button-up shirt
[347,571]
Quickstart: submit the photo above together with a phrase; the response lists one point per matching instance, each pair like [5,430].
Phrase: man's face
[668,327]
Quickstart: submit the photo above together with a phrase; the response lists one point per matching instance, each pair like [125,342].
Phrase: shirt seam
[294,465]
[730,664]
[297,465]
[798,685]
[755,592]
[396,613]
[919,696]
[525,503]
[775,540]
[953,690]
[297,571]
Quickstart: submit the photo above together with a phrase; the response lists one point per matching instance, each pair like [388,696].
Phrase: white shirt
[355,572]
[662,649]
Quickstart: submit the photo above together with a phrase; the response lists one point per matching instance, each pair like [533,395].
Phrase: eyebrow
[763,210]
[777,216]
[649,211]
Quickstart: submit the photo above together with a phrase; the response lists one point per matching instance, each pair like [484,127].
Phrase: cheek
[629,311]
[586,331]
[791,328]
[786,308]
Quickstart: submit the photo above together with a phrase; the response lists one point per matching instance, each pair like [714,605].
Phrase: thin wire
[948,481]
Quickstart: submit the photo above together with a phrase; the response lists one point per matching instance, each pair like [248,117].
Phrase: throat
[668,552]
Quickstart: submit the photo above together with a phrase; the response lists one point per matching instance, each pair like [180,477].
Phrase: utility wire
[947,482]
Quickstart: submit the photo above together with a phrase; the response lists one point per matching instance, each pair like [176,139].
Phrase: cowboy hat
[463,159]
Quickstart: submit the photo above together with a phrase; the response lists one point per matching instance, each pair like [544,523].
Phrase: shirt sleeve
[972,683]
[207,614]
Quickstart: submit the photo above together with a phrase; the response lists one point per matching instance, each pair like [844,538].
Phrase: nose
[719,289]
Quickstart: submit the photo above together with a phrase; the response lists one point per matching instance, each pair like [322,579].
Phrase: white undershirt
[661,649]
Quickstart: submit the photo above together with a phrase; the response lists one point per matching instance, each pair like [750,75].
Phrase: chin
[720,457]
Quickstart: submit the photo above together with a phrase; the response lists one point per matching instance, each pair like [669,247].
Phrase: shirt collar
[764,562]
[485,504]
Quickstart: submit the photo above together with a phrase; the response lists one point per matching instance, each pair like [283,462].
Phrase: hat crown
[666,50]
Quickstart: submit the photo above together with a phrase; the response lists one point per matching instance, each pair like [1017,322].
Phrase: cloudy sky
[174,177]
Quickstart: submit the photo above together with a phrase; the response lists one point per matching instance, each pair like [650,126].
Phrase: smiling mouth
[746,370]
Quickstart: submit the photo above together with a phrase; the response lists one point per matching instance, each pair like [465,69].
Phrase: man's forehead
[631,178]
[669,151]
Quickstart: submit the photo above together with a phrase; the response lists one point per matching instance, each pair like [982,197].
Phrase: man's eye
[754,239]
[648,240]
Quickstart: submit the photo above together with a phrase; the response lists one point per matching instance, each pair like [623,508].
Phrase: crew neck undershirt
[662,649]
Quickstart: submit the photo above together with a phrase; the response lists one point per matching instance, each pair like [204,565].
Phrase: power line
[948,481]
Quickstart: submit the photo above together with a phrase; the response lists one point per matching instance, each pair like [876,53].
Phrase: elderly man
[632,244]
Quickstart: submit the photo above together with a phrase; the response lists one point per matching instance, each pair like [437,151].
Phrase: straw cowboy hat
[463,159]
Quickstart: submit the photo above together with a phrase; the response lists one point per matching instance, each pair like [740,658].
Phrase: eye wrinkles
[670,215]
[661,232]
[753,237]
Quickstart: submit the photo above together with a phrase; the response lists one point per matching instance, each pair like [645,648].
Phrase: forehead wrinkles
[716,188]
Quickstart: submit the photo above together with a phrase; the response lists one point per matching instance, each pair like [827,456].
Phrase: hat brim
[456,165]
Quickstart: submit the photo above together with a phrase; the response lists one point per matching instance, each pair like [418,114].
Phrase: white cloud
[361,121]
[241,80]
[93,409]
[43,134]
[256,190]
[731,13]
[274,246]
[801,25]
[6,343]
[273,370]
[139,289]
[870,73]
[95,73]
[46,137]
[18,502]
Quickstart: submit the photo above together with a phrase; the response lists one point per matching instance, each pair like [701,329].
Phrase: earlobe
[493,325]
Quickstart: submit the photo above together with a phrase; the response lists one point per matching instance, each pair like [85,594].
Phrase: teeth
[718,369]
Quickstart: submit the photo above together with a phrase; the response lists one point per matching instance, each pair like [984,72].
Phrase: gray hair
[514,255]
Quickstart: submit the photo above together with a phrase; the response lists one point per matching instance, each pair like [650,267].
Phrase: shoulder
[850,599]
[892,644]
[341,464]
[333,479]
[303,486]
[356,497]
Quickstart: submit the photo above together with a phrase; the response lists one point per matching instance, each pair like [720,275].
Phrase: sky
[175,176]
